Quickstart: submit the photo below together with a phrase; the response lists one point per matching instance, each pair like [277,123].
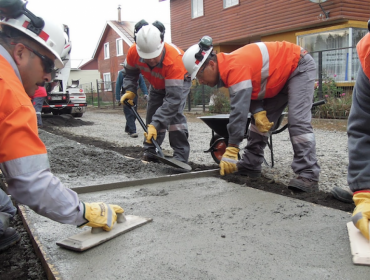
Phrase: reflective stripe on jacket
[23,156]
[363,50]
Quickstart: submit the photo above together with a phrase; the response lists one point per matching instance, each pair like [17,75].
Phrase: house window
[338,48]
[107,82]
[230,3]
[106,50]
[119,47]
[196,8]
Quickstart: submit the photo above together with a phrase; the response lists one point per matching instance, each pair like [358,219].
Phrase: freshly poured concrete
[206,228]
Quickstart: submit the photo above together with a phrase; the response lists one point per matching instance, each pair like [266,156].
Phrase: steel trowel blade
[172,162]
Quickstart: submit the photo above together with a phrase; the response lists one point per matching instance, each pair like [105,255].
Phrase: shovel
[160,156]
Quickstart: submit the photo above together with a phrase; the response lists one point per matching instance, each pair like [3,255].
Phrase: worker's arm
[46,195]
[142,85]
[25,165]
[176,91]
[240,99]
[119,85]
[131,78]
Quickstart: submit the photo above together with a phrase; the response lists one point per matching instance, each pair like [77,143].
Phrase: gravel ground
[331,147]
[97,165]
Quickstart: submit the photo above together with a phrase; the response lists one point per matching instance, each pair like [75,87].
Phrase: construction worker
[262,78]
[30,48]
[358,131]
[37,101]
[130,127]
[160,63]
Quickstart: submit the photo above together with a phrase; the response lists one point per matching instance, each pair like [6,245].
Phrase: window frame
[119,46]
[232,5]
[197,14]
[105,75]
[106,51]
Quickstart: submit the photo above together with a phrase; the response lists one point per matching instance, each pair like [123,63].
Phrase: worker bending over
[29,48]
[358,131]
[262,78]
[160,63]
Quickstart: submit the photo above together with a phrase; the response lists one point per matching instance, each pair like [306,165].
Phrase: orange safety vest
[18,124]
[363,50]
[173,67]
[265,67]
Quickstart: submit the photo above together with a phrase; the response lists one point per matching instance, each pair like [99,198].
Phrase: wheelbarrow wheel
[218,146]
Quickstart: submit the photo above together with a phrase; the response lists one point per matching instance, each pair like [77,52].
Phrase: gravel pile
[331,146]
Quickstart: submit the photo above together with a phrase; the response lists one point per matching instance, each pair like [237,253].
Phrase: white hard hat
[193,64]
[51,36]
[149,42]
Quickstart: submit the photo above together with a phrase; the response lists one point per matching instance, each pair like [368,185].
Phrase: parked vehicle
[64,99]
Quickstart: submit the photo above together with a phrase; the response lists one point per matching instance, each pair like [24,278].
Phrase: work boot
[133,135]
[343,195]
[9,238]
[149,157]
[248,172]
[304,185]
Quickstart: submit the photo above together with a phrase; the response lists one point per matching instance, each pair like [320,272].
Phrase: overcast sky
[86,19]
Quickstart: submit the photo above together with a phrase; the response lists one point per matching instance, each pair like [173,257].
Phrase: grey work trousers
[298,95]
[358,130]
[177,128]
[37,104]
[7,211]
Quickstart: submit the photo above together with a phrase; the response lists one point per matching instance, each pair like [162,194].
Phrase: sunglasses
[47,63]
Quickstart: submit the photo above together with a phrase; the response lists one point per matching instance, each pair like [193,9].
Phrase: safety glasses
[200,72]
[47,63]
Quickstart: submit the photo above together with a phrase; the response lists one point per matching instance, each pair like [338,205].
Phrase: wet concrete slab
[206,228]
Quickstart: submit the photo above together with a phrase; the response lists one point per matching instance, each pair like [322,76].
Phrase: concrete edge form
[50,271]
[133,183]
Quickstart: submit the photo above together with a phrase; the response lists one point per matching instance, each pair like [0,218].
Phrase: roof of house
[125,29]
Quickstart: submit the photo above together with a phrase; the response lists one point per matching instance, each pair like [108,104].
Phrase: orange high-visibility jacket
[23,156]
[254,72]
[264,66]
[170,72]
[363,50]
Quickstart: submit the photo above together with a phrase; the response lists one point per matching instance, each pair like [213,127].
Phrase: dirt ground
[20,262]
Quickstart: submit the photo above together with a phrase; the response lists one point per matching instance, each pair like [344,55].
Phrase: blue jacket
[121,75]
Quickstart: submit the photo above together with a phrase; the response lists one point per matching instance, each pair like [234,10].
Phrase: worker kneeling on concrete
[262,78]
[30,48]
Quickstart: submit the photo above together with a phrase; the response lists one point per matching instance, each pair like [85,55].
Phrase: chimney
[119,13]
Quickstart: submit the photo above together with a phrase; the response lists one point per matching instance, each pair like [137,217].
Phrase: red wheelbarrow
[220,135]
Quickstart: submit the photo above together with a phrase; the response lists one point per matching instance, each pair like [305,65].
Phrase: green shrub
[221,104]
[338,103]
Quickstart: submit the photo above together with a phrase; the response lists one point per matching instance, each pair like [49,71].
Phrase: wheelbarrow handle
[132,107]
[317,103]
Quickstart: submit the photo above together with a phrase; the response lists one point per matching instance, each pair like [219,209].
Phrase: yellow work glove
[361,214]
[229,160]
[262,122]
[129,96]
[152,133]
[102,215]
